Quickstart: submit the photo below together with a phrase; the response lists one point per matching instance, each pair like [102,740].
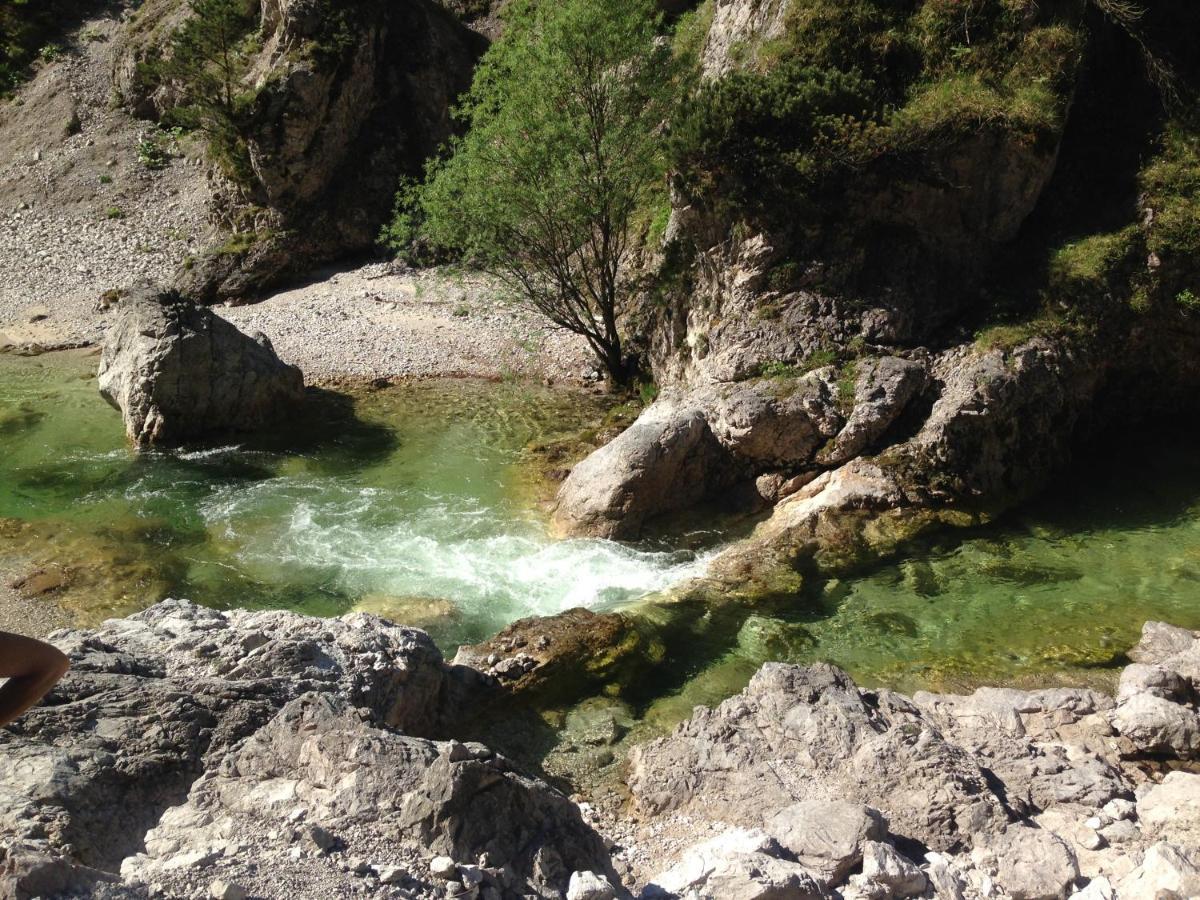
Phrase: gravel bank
[81,212]
[375,322]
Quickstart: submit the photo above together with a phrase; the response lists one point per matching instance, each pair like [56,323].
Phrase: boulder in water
[178,372]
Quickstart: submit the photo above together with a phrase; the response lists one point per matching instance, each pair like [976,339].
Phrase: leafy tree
[206,64]
[561,149]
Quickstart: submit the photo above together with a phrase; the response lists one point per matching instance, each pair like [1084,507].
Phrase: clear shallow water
[1056,593]
[420,508]
[417,507]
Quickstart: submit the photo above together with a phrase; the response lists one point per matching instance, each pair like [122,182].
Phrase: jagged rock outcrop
[178,372]
[692,445]
[188,745]
[1003,793]
[343,99]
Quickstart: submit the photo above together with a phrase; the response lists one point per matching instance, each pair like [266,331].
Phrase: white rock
[390,874]
[443,868]
[1098,888]
[1091,840]
[1166,871]
[883,865]
[1118,809]
[226,890]
[589,886]
[1171,810]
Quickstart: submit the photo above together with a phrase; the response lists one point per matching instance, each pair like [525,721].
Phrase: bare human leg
[32,668]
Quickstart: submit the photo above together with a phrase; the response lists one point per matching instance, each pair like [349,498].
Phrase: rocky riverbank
[193,753]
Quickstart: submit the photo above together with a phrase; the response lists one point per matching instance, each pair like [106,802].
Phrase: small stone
[226,890]
[589,886]
[1092,840]
[1095,823]
[1120,832]
[443,868]
[320,838]
[390,875]
[883,865]
[458,752]
[1118,809]
[471,876]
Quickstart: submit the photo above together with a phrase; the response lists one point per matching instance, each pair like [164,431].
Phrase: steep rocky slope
[915,326]
[334,104]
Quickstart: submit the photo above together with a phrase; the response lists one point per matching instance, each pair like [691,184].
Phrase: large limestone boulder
[692,446]
[739,864]
[827,837]
[322,764]
[668,459]
[800,734]
[179,372]
[273,751]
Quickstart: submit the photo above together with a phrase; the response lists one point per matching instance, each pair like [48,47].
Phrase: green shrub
[1090,263]
[757,132]
[1171,186]
[114,212]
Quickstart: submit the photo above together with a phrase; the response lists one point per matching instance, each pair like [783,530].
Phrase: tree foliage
[561,148]
[206,64]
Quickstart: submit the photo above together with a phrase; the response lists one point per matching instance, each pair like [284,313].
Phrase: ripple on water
[418,506]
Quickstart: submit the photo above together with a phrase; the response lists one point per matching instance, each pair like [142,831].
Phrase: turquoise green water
[1054,594]
[414,504]
[417,503]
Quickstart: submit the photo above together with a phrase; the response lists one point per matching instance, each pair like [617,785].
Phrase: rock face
[694,445]
[188,744]
[178,372]
[1003,793]
[346,99]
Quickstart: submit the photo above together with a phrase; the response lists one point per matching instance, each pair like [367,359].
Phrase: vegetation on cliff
[559,153]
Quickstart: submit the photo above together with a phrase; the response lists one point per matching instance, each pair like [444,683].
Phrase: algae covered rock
[178,372]
[564,656]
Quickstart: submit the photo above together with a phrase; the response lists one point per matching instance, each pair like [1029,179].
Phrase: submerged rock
[563,656]
[178,372]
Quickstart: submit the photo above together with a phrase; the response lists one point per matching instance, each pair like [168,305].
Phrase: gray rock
[178,372]
[383,787]
[1170,810]
[1161,641]
[1157,725]
[739,864]
[667,460]
[226,890]
[1166,871]
[1140,678]
[1099,888]
[589,886]
[774,424]
[883,865]
[184,737]
[801,734]
[443,868]
[1029,863]
[826,837]
[882,390]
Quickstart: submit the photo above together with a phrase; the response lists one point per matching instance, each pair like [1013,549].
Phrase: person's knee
[58,663]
